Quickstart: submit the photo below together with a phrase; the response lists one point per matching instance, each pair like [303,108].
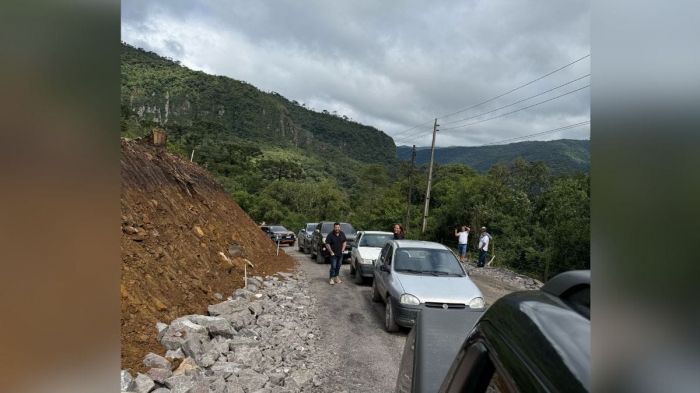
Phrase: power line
[519,101]
[539,133]
[414,127]
[421,132]
[517,110]
[517,88]
[498,96]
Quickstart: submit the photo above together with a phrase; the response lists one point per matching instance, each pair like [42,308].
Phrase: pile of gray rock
[508,277]
[259,340]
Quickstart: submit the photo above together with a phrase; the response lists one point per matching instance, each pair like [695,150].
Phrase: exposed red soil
[175,220]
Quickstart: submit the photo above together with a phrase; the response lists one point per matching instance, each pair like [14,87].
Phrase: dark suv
[530,341]
[280,234]
[318,240]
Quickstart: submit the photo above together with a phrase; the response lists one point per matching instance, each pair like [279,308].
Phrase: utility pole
[192,155]
[410,186]
[430,178]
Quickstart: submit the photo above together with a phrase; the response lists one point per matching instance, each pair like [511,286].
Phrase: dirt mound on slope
[176,220]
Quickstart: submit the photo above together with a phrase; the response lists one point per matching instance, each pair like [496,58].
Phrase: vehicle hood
[283,232]
[438,289]
[369,252]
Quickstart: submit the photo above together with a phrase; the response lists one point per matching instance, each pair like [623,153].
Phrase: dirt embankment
[176,220]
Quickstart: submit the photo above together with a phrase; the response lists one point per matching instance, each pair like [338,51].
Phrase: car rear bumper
[366,270]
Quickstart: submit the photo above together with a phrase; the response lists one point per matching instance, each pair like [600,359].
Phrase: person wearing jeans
[463,237]
[483,246]
[335,244]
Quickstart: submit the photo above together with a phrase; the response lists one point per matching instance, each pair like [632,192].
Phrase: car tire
[359,280]
[352,269]
[375,293]
[319,257]
[389,319]
[299,247]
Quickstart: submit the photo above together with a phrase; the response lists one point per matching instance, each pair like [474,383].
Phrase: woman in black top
[398,231]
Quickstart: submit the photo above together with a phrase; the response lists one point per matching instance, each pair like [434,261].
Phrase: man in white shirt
[483,246]
[462,235]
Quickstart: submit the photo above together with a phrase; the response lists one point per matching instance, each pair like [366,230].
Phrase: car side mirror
[385,268]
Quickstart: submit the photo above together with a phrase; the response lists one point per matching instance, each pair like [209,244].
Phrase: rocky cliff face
[184,244]
[192,104]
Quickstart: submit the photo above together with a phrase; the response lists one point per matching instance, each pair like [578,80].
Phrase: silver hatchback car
[412,274]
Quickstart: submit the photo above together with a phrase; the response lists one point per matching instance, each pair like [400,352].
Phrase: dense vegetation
[287,164]
[562,156]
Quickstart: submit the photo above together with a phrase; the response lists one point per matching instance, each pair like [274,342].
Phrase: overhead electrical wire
[498,96]
[406,134]
[517,110]
[428,131]
[516,88]
[517,102]
[564,128]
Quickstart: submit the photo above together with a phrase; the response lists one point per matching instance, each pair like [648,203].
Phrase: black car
[318,240]
[304,237]
[530,341]
[279,233]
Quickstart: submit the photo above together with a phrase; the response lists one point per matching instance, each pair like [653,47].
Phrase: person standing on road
[463,236]
[335,244]
[398,231]
[483,246]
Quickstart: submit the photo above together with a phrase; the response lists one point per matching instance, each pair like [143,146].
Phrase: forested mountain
[197,109]
[284,163]
[561,156]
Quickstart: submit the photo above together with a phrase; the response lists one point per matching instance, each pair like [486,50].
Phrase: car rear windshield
[278,228]
[310,227]
[374,240]
[427,261]
[345,227]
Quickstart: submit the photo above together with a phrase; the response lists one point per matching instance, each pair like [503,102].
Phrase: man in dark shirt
[335,244]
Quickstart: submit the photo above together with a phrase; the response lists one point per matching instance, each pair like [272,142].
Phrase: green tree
[566,216]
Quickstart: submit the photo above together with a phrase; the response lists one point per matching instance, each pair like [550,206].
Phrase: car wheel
[352,269]
[389,321]
[375,292]
[311,252]
[301,249]
[319,257]
[359,280]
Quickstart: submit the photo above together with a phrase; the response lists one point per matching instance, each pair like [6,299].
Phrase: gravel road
[357,354]
[360,356]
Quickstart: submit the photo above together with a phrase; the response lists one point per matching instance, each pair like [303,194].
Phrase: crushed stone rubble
[262,339]
[509,277]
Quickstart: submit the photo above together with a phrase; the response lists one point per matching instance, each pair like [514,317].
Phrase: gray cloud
[386,64]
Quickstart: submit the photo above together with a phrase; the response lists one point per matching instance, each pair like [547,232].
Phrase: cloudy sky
[393,64]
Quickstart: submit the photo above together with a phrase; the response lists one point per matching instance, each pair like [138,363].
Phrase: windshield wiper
[440,273]
[409,271]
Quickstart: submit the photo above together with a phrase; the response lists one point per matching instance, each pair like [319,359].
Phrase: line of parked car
[526,341]
[407,275]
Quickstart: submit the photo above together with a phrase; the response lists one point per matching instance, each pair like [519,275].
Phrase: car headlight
[477,302]
[407,298]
